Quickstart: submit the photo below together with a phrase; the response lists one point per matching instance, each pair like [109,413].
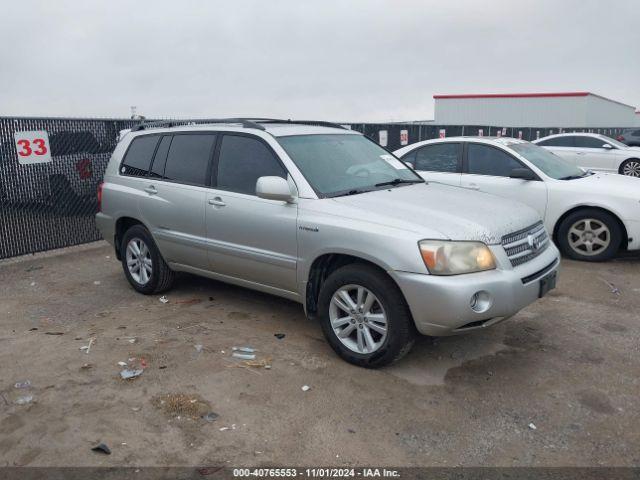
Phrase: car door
[250,238]
[487,168]
[438,162]
[173,206]
[591,154]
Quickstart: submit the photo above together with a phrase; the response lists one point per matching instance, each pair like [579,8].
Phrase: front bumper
[633,233]
[441,305]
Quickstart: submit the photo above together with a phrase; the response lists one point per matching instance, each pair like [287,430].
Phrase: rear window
[590,142]
[137,160]
[189,157]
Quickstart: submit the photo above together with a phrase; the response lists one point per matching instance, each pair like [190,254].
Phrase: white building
[567,109]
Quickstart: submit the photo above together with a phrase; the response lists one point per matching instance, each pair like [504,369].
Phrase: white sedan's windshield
[613,142]
[552,165]
[339,164]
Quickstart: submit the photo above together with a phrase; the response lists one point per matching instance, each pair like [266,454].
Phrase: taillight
[620,138]
[100,196]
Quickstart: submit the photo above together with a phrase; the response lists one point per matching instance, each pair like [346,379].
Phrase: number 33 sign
[33,147]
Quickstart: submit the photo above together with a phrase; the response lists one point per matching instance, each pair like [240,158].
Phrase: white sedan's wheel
[631,168]
[589,236]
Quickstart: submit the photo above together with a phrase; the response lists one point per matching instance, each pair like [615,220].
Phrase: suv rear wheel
[590,235]
[365,317]
[142,262]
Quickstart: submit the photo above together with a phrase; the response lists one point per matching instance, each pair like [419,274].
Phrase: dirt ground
[568,365]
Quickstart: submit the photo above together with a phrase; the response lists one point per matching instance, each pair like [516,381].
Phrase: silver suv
[326,217]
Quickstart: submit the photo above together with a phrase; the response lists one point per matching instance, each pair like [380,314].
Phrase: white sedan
[590,215]
[594,152]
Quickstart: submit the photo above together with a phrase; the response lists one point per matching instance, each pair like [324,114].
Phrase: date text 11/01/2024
[316,472]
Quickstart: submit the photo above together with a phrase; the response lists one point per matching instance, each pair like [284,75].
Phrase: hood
[455,213]
[613,184]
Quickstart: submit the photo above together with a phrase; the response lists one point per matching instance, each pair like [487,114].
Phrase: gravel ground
[568,365]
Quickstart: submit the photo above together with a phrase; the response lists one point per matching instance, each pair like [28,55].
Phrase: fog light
[480,301]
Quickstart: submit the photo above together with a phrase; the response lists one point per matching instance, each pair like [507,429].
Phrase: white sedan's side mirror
[274,188]
[607,146]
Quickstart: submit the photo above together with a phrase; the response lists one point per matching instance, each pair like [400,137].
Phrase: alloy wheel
[358,319]
[139,261]
[589,236]
[631,168]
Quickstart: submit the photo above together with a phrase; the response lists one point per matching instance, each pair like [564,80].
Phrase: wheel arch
[122,225]
[325,264]
[625,236]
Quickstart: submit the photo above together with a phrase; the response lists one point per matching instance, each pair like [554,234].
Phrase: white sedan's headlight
[452,258]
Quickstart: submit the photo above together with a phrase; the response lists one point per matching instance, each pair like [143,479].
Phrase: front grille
[525,245]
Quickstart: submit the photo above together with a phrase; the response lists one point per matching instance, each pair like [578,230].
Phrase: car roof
[571,134]
[489,140]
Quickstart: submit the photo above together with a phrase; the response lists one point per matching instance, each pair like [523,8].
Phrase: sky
[348,60]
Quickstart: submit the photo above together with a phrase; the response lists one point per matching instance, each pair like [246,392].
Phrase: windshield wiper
[355,191]
[575,177]
[397,181]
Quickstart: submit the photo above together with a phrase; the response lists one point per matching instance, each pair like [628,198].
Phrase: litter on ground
[127,374]
[102,448]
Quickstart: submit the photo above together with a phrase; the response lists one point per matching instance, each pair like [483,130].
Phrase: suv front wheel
[142,262]
[365,317]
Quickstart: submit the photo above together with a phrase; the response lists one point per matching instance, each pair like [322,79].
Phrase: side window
[188,158]
[137,160]
[160,158]
[442,157]
[242,161]
[486,160]
[558,142]
[410,158]
[589,142]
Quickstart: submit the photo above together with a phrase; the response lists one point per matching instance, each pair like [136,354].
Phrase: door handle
[151,190]
[581,153]
[217,201]
[473,186]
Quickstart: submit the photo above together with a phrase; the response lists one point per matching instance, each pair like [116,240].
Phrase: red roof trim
[516,95]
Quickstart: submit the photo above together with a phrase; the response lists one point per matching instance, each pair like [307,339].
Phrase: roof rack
[245,122]
[317,123]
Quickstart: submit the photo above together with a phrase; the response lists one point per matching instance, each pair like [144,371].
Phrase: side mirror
[522,174]
[607,146]
[274,188]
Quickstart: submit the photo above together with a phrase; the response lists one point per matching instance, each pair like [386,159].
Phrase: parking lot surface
[557,385]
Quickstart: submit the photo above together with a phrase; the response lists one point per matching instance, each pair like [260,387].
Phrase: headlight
[451,258]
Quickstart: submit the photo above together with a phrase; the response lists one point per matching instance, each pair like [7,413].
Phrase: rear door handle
[581,153]
[473,186]
[151,190]
[217,201]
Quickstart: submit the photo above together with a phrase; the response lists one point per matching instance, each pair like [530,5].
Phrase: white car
[594,152]
[590,215]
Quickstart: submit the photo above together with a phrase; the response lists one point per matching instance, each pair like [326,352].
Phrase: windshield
[613,141]
[339,164]
[552,165]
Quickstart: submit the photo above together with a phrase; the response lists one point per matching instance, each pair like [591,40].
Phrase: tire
[630,167]
[387,301]
[585,226]
[161,277]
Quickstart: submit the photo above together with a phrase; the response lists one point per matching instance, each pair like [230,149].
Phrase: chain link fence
[50,169]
